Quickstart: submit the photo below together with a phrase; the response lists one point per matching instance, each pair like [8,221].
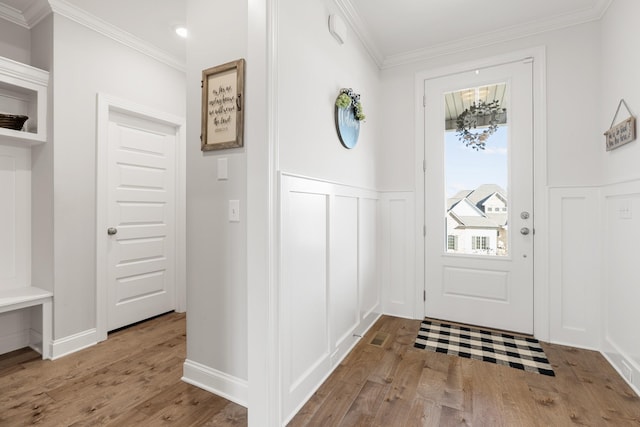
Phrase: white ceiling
[403,30]
[393,32]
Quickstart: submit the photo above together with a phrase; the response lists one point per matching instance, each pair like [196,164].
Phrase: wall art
[223,106]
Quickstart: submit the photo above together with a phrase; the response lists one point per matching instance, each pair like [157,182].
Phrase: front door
[141,217]
[479,197]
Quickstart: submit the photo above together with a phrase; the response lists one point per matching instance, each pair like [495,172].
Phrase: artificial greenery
[348,98]
[468,120]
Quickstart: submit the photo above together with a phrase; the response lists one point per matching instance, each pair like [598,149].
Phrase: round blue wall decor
[348,126]
[348,117]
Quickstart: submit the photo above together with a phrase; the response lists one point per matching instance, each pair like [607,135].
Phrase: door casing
[541,287]
[107,104]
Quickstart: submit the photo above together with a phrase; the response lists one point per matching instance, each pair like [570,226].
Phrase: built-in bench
[17,298]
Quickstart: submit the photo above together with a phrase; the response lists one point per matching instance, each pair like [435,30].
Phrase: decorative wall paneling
[330,292]
[398,254]
[575,253]
[620,294]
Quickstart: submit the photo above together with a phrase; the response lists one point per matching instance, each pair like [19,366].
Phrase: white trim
[541,270]
[360,29]
[74,13]
[36,12]
[73,343]
[13,15]
[336,362]
[105,104]
[214,381]
[263,362]
[616,358]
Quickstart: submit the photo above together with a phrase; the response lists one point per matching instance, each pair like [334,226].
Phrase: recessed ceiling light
[182,31]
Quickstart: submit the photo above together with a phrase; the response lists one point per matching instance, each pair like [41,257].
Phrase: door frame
[106,104]
[540,201]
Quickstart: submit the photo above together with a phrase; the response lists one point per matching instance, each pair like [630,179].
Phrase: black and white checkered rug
[489,346]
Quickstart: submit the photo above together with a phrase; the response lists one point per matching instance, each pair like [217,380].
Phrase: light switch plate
[234,210]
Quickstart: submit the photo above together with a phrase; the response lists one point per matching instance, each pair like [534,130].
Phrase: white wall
[620,67]
[570,157]
[217,348]
[84,64]
[15,42]
[311,69]
[573,76]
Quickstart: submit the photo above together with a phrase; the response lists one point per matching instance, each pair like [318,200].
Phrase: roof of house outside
[477,198]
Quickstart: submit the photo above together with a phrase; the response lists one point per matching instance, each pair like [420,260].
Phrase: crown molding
[69,11]
[500,36]
[10,14]
[36,12]
[360,29]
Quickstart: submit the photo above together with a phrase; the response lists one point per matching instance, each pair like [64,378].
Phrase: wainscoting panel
[15,216]
[329,287]
[343,289]
[15,243]
[368,257]
[620,283]
[574,266]
[398,254]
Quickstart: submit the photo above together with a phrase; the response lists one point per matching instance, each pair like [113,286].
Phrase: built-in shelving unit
[23,90]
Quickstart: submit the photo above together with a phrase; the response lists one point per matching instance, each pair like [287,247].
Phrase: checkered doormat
[489,346]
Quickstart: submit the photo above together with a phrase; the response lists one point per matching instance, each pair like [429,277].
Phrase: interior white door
[141,216]
[479,200]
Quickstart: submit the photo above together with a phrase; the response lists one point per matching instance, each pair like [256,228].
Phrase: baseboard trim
[216,382]
[619,361]
[72,343]
[338,356]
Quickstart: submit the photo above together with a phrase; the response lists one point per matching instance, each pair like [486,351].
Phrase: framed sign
[623,132]
[223,106]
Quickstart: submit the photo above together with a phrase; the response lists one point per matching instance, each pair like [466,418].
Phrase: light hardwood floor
[399,385]
[133,379]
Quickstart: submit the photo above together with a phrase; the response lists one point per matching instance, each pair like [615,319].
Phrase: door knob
[524,231]
[111,231]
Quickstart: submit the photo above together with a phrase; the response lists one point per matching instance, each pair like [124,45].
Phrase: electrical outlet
[625,210]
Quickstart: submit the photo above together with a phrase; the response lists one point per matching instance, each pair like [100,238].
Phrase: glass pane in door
[476,171]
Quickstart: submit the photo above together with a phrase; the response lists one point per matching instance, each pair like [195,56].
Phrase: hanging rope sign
[622,133]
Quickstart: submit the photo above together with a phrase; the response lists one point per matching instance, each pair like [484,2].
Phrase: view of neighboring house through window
[476,174]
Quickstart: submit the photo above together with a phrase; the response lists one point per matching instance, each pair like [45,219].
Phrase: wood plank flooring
[398,385]
[133,379]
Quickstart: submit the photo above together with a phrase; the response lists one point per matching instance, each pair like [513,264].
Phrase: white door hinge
[424,100]
[424,295]
[424,166]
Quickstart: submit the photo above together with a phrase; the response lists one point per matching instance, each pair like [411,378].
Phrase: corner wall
[620,67]
[217,348]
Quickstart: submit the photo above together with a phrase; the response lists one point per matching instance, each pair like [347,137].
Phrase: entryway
[478,207]
[140,227]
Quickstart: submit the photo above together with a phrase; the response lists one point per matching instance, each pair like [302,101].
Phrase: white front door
[141,253]
[479,197]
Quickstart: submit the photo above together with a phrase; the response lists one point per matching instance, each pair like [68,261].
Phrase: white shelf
[23,90]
